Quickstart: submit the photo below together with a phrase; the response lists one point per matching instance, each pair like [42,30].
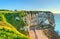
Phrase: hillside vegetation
[10,34]
[10,27]
[16,19]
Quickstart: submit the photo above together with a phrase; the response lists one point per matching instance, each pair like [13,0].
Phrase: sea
[57,22]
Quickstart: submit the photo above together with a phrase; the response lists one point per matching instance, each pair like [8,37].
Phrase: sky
[43,5]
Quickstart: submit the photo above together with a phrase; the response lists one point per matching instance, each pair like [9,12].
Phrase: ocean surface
[57,22]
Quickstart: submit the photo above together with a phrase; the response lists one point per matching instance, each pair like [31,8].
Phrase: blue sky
[49,5]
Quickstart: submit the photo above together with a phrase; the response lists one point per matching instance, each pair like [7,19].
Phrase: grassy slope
[7,33]
[8,26]
[12,17]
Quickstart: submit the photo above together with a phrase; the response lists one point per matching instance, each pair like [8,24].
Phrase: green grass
[18,24]
[10,34]
[9,30]
[11,18]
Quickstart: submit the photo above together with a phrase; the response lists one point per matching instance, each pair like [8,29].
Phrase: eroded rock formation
[41,25]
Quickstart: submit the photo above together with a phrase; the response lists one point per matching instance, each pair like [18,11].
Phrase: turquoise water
[57,22]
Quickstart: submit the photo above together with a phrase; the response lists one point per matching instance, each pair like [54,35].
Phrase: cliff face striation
[51,34]
[41,25]
[43,34]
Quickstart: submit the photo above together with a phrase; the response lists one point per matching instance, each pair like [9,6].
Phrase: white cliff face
[17,18]
[39,19]
[42,17]
[25,28]
[34,19]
